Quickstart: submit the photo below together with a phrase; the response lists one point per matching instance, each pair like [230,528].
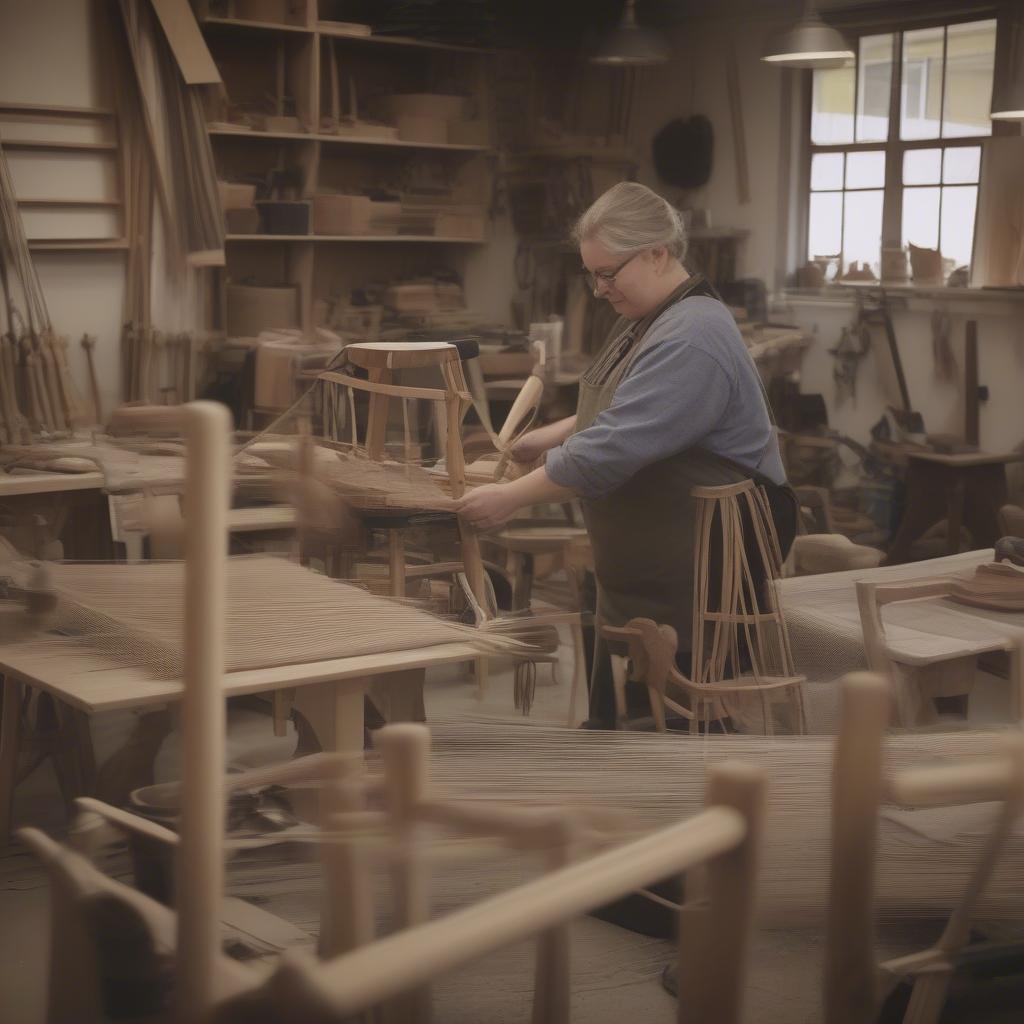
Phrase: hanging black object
[682,152]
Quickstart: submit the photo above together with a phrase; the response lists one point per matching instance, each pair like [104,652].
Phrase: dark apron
[642,534]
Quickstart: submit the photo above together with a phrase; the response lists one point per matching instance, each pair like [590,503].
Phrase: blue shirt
[692,383]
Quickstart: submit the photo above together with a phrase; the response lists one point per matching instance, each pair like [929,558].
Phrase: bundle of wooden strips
[37,391]
[181,156]
[278,614]
[925,856]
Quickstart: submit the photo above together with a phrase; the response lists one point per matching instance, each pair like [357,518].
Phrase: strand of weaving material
[924,859]
[277,614]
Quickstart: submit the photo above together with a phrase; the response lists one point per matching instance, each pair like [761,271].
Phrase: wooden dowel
[200,867]
[850,985]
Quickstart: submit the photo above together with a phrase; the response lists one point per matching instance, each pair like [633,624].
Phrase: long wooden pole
[850,969]
[200,854]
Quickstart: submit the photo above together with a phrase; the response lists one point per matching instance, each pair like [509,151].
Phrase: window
[895,153]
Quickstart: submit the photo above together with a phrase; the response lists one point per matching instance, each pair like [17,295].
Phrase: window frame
[892,146]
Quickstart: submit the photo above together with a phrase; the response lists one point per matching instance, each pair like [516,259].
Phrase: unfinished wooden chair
[741,661]
[381,361]
[851,980]
[925,667]
[396,971]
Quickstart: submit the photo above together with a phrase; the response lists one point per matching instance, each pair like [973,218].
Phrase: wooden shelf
[617,155]
[95,147]
[355,238]
[254,133]
[335,31]
[41,201]
[259,26]
[342,140]
[78,244]
[41,111]
[354,140]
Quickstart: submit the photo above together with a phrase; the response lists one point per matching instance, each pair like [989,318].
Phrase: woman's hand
[489,505]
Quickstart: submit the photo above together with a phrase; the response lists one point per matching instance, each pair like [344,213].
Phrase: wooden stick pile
[157,368]
[37,391]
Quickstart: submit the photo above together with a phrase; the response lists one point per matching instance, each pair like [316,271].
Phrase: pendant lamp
[810,43]
[631,45]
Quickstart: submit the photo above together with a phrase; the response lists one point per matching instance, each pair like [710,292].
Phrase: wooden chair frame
[859,787]
[716,658]
[714,938]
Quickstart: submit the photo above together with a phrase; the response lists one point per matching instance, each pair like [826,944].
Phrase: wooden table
[330,692]
[965,490]
[823,622]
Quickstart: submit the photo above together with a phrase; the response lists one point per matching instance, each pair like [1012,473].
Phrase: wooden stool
[936,488]
[738,608]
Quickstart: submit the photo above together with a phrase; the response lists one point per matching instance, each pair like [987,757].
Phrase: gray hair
[629,218]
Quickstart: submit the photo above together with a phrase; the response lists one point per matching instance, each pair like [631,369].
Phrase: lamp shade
[810,43]
[1008,80]
[631,45]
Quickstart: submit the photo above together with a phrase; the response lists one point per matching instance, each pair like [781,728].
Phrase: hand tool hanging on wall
[873,309]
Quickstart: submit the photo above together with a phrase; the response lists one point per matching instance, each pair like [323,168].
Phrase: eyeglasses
[596,278]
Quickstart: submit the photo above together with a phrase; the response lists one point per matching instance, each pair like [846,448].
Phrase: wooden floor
[616,972]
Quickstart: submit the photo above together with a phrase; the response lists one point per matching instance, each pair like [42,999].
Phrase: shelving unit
[292,61]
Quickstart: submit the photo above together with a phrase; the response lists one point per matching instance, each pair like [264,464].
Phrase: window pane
[825,224]
[921,217]
[832,105]
[865,170]
[922,166]
[970,53]
[921,89]
[873,87]
[862,229]
[826,171]
[958,206]
[961,164]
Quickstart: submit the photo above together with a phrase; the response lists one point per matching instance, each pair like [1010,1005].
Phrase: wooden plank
[78,244]
[87,680]
[33,482]
[186,42]
[95,147]
[50,201]
[43,111]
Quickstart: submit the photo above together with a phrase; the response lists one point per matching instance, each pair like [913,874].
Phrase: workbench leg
[981,513]
[954,514]
[10,737]
[348,717]
[923,507]
[334,712]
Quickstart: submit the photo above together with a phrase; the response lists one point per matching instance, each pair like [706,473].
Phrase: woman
[672,401]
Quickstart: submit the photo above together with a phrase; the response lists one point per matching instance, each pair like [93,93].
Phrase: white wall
[49,55]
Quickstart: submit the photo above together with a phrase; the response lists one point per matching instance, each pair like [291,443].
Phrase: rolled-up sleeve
[673,395]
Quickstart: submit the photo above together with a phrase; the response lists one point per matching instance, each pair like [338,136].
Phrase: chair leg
[10,737]
[579,670]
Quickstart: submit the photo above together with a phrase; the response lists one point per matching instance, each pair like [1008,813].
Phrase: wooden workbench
[330,692]
[823,621]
